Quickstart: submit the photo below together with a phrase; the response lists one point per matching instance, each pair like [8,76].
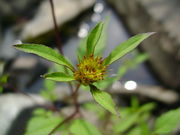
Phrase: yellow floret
[90,70]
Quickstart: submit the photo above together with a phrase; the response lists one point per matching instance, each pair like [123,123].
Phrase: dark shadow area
[18,126]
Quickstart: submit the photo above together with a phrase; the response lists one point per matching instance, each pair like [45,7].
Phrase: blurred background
[153,79]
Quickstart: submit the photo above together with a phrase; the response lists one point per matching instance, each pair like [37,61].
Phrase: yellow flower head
[90,70]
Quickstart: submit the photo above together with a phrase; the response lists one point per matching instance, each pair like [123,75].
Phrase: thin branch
[57,34]
[75,93]
[75,97]
[58,40]
[69,83]
[63,122]
[106,123]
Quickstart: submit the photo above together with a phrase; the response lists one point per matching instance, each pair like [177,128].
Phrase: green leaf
[58,76]
[3,81]
[101,44]
[45,52]
[63,69]
[104,99]
[134,103]
[147,107]
[104,84]
[139,58]
[48,91]
[82,127]
[4,78]
[98,110]
[42,123]
[1,89]
[167,122]
[49,85]
[126,122]
[126,47]
[49,95]
[93,38]
[40,112]
[81,50]
[130,64]
[145,130]
[135,131]
[65,132]
[130,117]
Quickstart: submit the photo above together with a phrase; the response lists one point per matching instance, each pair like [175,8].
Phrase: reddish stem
[75,98]
[58,40]
[57,34]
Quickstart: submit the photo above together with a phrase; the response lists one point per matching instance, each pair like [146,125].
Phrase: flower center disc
[90,70]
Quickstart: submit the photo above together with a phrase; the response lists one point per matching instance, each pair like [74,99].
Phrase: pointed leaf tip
[93,38]
[151,33]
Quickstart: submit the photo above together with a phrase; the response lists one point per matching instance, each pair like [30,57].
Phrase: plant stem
[58,40]
[57,34]
[63,122]
[75,93]
[106,122]
[75,98]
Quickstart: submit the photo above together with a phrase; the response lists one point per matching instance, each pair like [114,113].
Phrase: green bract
[91,68]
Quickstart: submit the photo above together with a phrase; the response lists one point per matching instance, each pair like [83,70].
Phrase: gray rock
[25,71]
[161,16]
[6,49]
[10,12]
[4,8]
[11,105]
[65,10]
[157,93]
